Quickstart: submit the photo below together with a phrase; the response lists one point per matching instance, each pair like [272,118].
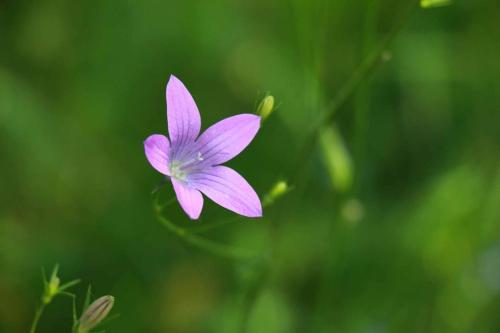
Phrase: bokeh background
[406,240]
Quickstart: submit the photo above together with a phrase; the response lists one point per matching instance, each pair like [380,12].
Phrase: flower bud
[52,287]
[95,313]
[266,107]
[434,3]
[278,190]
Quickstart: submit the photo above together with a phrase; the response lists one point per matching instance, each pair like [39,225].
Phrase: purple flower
[192,162]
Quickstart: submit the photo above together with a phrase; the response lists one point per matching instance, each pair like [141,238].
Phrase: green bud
[54,285]
[434,3]
[266,107]
[278,190]
[95,313]
[51,287]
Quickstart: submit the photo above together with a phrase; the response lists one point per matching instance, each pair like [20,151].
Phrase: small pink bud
[95,313]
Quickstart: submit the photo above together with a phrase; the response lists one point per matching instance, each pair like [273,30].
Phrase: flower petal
[183,116]
[226,139]
[229,189]
[189,198]
[157,149]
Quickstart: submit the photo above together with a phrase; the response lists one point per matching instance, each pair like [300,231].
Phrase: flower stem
[278,190]
[364,69]
[363,95]
[36,319]
[214,225]
[199,242]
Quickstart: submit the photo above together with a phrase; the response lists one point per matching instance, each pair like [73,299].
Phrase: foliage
[412,244]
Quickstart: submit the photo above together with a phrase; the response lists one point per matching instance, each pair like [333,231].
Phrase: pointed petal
[183,116]
[157,149]
[227,138]
[190,199]
[229,189]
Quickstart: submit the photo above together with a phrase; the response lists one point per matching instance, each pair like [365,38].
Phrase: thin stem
[214,225]
[213,247]
[36,319]
[221,223]
[365,68]
[362,97]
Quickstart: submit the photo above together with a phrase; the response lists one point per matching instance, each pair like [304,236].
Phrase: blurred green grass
[412,246]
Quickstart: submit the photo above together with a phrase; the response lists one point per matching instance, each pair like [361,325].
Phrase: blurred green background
[408,241]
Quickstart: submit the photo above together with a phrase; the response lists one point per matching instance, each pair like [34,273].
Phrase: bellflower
[192,162]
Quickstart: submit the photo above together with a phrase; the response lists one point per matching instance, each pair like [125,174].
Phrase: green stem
[362,97]
[214,225]
[365,68]
[162,206]
[210,246]
[221,223]
[36,319]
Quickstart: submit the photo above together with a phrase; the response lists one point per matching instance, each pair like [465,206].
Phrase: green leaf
[69,284]
[74,316]
[434,3]
[88,297]
[53,276]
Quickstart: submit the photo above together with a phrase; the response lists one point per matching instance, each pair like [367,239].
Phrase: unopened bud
[278,190]
[95,313]
[54,285]
[434,3]
[266,107]
[51,289]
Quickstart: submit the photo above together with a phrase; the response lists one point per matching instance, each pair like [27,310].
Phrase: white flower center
[180,168]
[177,172]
